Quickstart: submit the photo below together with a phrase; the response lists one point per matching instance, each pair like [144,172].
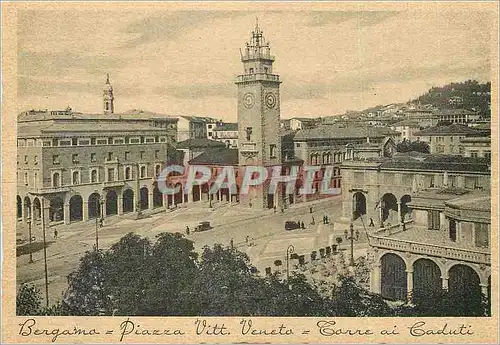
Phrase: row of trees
[409,146]
[168,278]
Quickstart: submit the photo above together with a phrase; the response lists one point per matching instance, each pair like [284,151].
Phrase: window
[265,70]
[46,143]
[111,174]
[142,154]
[157,154]
[64,142]
[251,70]
[433,221]
[272,150]
[118,141]
[102,141]
[93,176]
[110,156]
[127,155]
[56,179]
[25,159]
[35,179]
[440,149]
[93,157]
[55,159]
[26,178]
[481,237]
[35,160]
[74,157]
[83,142]
[157,170]
[135,140]
[473,154]
[149,140]
[76,177]
[143,171]
[128,174]
[487,154]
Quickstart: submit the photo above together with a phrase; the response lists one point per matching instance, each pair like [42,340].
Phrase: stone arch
[426,278]
[144,198]
[27,207]
[462,279]
[111,203]
[157,197]
[56,211]
[75,208]
[389,205]
[94,205]
[393,277]
[37,209]
[19,207]
[358,203]
[128,200]
[405,209]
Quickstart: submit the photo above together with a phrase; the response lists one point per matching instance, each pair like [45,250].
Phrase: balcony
[48,190]
[394,238]
[111,184]
[257,77]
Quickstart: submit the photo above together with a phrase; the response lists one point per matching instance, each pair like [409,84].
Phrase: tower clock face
[270,100]
[248,100]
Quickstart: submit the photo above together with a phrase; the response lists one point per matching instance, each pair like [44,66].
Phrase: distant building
[297,123]
[226,133]
[477,147]
[407,128]
[447,139]
[462,116]
[192,148]
[192,127]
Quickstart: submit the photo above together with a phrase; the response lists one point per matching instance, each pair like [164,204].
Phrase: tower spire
[107,97]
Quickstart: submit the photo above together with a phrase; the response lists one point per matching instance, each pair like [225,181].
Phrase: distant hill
[467,95]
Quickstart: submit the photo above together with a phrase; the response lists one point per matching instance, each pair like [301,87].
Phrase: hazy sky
[185,62]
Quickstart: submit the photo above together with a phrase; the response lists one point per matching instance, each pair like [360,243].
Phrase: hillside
[468,95]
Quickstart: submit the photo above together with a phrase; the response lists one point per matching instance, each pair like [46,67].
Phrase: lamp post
[351,237]
[289,251]
[29,234]
[98,220]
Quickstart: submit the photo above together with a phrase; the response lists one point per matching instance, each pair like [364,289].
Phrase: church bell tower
[259,112]
[108,98]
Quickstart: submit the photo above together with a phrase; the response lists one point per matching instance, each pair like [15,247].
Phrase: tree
[349,299]
[135,277]
[28,301]
[412,146]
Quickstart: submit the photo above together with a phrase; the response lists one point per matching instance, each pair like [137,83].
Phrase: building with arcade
[432,222]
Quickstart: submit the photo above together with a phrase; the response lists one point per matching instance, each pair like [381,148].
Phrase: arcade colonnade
[397,276]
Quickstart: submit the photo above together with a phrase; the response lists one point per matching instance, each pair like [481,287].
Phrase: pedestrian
[312,222]
[100,222]
[302,225]
[55,234]
[274,209]
[371,222]
[310,209]
[247,240]
[327,221]
[187,230]
[232,243]
[324,221]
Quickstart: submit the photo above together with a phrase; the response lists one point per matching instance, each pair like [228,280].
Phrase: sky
[185,62]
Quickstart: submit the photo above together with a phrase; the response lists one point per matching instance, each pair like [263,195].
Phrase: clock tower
[259,115]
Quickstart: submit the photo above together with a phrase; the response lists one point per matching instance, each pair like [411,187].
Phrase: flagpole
[45,254]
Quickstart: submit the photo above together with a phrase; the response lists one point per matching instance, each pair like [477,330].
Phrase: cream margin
[485,329]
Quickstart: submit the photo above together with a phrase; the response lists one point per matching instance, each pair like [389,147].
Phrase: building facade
[73,167]
[226,133]
[447,139]
[432,221]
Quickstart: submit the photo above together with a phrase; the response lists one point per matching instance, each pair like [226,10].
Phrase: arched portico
[76,208]
[393,277]
[359,205]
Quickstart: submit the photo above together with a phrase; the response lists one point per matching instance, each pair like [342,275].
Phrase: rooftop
[334,132]
[199,143]
[227,127]
[217,156]
[453,129]
[406,123]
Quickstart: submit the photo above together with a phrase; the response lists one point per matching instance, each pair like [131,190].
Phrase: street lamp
[289,251]
[351,237]
[29,234]
[98,220]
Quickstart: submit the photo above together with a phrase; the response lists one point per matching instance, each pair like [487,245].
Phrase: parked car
[203,226]
[291,225]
